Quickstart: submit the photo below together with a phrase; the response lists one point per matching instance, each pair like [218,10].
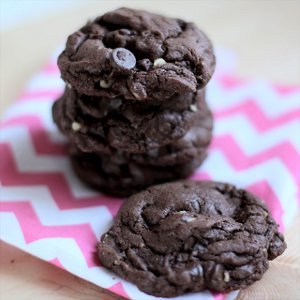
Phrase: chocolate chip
[145,64]
[123,58]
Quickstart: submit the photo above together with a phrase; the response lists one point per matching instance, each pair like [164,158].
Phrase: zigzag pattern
[263,140]
[44,206]
[270,102]
[261,121]
[81,233]
[11,232]
[55,182]
[39,136]
[283,151]
[228,81]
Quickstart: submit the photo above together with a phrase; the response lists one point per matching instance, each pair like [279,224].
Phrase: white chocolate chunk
[76,126]
[193,107]
[159,62]
[226,276]
[189,219]
[105,84]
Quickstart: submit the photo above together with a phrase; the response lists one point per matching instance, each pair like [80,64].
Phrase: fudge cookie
[188,236]
[94,123]
[138,55]
[193,144]
[118,176]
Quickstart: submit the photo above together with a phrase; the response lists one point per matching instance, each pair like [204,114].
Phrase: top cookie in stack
[135,85]
[139,55]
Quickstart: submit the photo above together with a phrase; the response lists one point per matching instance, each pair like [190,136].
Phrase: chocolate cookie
[122,174]
[193,144]
[188,236]
[95,124]
[137,54]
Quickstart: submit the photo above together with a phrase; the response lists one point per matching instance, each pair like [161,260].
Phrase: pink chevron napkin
[46,211]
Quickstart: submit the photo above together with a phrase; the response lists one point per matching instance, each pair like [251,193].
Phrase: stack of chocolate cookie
[134,107]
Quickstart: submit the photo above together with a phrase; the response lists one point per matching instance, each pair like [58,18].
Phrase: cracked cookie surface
[94,124]
[188,236]
[121,173]
[137,54]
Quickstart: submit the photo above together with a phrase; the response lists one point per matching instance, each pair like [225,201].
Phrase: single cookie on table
[137,54]
[188,236]
[94,123]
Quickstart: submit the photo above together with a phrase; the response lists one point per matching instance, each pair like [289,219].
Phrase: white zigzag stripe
[270,102]
[74,262]
[45,82]
[272,171]
[27,161]
[41,110]
[247,134]
[48,212]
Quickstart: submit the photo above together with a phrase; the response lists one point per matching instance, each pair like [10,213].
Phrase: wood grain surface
[266,37]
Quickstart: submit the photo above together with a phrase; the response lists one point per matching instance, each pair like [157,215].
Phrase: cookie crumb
[159,62]
[181,212]
[142,245]
[105,84]
[226,276]
[76,126]
[193,107]
[69,86]
[265,214]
